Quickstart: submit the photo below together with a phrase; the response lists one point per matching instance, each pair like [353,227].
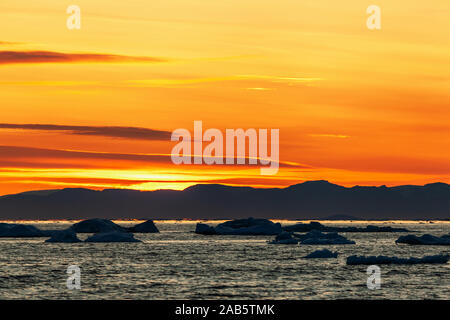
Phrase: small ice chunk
[426,239]
[112,237]
[96,226]
[144,227]
[317,237]
[354,260]
[63,236]
[284,238]
[325,253]
[248,226]
[12,230]
[313,225]
[203,228]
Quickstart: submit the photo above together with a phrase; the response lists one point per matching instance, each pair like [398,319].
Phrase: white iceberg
[12,230]
[426,239]
[284,238]
[248,226]
[63,236]
[144,227]
[317,237]
[321,254]
[112,237]
[355,260]
[96,226]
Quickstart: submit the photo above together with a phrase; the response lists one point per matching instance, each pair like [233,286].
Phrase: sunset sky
[95,107]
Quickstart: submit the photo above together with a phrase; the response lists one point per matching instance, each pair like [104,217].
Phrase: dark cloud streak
[8,154]
[20,57]
[105,131]
[15,152]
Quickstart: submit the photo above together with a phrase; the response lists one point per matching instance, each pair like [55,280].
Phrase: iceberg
[248,226]
[144,227]
[12,230]
[426,239]
[96,226]
[355,260]
[203,228]
[321,254]
[304,227]
[284,238]
[371,228]
[63,236]
[317,237]
[313,225]
[112,237]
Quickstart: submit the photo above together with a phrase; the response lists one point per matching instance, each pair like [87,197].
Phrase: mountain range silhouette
[308,200]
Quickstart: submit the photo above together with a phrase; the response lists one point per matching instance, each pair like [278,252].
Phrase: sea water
[179,264]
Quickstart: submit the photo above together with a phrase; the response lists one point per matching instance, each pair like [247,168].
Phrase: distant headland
[308,200]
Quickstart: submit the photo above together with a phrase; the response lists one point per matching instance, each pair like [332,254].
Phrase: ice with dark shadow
[248,226]
[313,225]
[321,254]
[284,238]
[96,225]
[13,230]
[317,237]
[426,239]
[63,236]
[370,260]
[205,229]
[144,227]
[112,237]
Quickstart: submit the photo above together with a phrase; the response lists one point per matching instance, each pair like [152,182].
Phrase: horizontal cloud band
[13,57]
[105,131]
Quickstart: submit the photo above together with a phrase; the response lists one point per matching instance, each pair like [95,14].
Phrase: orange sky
[354,106]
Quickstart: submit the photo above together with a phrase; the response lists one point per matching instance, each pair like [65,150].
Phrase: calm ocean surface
[178,264]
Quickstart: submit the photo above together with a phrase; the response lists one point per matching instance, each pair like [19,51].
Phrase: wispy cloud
[20,57]
[259,89]
[194,81]
[329,135]
[18,152]
[256,83]
[290,80]
[9,43]
[109,131]
[28,155]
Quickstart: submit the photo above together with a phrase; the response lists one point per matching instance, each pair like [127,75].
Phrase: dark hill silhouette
[309,200]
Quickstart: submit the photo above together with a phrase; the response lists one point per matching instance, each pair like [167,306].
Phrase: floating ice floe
[248,226]
[313,225]
[203,228]
[354,260]
[63,236]
[96,226]
[144,227]
[426,239]
[284,238]
[112,237]
[12,230]
[321,254]
[317,237]
[304,227]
